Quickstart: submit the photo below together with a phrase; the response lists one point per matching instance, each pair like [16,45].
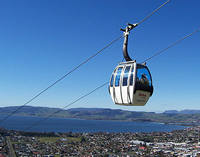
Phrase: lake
[78,125]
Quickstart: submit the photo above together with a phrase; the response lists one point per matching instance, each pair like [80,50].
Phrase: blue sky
[42,40]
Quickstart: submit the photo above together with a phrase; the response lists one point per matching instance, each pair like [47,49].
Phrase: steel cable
[60,79]
[149,58]
[171,45]
[74,69]
[73,102]
[148,16]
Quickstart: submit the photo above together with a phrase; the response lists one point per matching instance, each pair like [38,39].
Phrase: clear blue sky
[42,40]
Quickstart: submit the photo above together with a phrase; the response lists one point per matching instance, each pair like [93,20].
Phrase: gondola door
[117,86]
[127,84]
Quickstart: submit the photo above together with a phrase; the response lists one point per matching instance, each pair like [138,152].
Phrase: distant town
[25,144]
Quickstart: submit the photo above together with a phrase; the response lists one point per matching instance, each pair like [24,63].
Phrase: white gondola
[131,82]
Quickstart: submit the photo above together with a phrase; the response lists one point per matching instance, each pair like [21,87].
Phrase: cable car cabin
[131,84]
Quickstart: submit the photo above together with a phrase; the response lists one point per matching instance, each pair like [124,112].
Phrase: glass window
[143,76]
[125,78]
[111,81]
[117,78]
[131,78]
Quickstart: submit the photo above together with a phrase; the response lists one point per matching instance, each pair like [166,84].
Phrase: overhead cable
[171,45]
[60,79]
[70,104]
[148,16]
[75,68]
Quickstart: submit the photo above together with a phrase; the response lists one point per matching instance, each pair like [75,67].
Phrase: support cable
[59,110]
[60,79]
[171,45]
[75,68]
[148,16]
[70,104]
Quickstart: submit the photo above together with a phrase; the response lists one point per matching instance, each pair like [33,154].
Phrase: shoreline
[21,123]
[114,120]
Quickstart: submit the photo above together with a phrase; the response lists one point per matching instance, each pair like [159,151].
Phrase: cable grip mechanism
[125,44]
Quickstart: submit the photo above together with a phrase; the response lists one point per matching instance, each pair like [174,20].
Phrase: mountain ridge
[171,116]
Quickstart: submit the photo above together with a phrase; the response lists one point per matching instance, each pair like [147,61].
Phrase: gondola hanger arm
[125,44]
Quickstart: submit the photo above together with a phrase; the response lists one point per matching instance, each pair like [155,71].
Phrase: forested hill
[183,117]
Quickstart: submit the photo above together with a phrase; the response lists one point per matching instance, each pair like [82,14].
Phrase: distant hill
[182,112]
[171,116]
[31,111]
[171,112]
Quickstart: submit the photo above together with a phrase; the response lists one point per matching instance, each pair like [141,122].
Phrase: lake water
[78,125]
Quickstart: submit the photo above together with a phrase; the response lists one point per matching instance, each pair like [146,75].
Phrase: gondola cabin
[131,84]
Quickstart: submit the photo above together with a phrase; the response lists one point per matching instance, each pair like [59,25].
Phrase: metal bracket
[126,33]
[129,27]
